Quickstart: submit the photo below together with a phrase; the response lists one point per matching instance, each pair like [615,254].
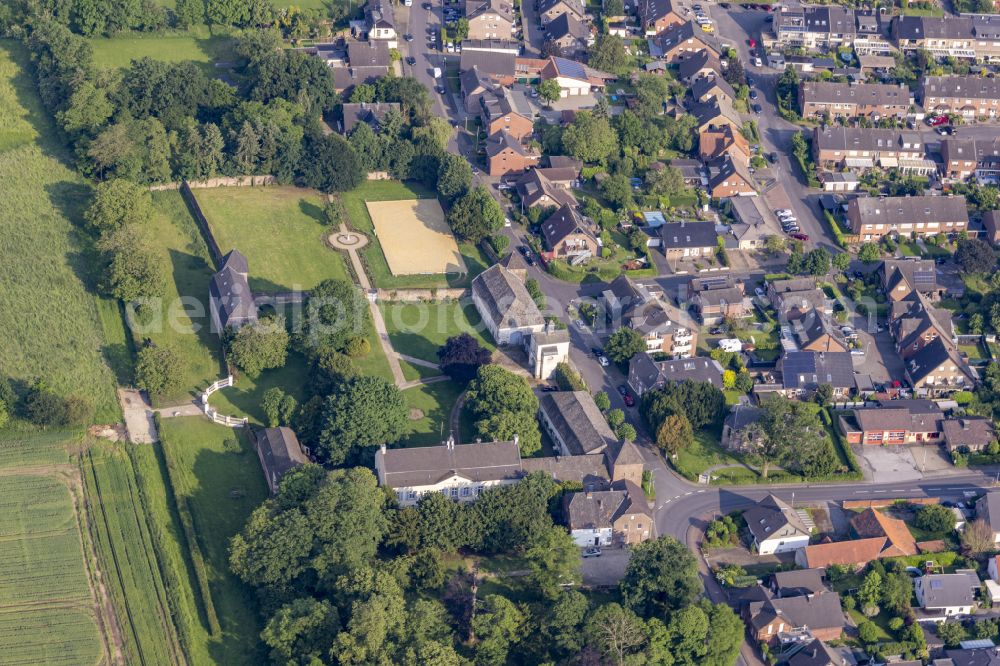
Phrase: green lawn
[48,312]
[221,488]
[704,453]
[372,256]
[280,232]
[198,45]
[435,401]
[420,329]
[244,398]
[190,269]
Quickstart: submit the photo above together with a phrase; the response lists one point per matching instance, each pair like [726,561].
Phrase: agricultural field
[198,45]
[280,231]
[47,313]
[375,261]
[187,330]
[216,476]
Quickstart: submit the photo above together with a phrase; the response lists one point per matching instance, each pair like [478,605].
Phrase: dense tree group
[504,406]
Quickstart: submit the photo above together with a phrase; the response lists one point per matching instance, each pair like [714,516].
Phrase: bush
[357,347]
[568,379]
[935,518]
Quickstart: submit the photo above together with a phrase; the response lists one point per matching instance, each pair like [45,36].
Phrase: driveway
[606,570]
[890,464]
[138,417]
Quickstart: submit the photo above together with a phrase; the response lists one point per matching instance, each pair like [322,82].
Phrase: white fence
[211,413]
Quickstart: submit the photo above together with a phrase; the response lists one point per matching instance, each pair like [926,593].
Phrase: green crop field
[378,268]
[49,319]
[190,269]
[220,486]
[49,613]
[198,45]
[280,232]
[33,448]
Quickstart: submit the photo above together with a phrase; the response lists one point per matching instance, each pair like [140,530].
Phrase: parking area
[606,570]
[887,464]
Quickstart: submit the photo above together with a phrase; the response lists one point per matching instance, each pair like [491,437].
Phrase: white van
[437,72]
[730,345]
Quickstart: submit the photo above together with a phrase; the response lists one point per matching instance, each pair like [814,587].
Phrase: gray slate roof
[579,422]
[561,224]
[821,611]
[879,94]
[600,509]
[368,112]
[798,582]
[807,370]
[230,292]
[488,62]
[279,451]
[428,465]
[907,210]
[955,589]
[971,87]
[509,303]
[688,235]
[773,517]
[653,373]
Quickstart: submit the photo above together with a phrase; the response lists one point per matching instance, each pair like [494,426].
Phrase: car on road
[757,108]
[549,388]
[772,158]
[753,94]
[623,389]
[801,237]
[408,37]
[945,130]
[411,61]
[603,360]
[592,552]
[628,400]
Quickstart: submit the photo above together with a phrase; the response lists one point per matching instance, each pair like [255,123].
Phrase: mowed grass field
[221,487]
[197,45]
[280,232]
[47,315]
[372,254]
[420,329]
[189,269]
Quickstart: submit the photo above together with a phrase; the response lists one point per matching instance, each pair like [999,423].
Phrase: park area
[198,45]
[415,238]
[377,257]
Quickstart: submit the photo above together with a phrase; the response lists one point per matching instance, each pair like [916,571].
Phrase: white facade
[592,537]
[784,544]
[456,487]
[504,335]
[543,358]
[572,87]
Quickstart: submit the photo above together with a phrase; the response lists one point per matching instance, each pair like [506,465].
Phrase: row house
[550,10]
[874,217]
[963,158]
[836,147]
[505,154]
[847,100]
[970,37]
[620,516]
[893,422]
[872,35]
[969,96]
[658,16]
[814,27]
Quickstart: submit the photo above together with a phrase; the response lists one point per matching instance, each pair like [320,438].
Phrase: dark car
[426,5]
[772,158]
[629,400]
[753,94]
[549,388]
[724,5]
[623,389]
[750,81]
[411,61]
[757,108]
[718,330]
[596,351]
[801,237]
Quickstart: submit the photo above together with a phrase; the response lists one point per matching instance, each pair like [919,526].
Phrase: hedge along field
[48,614]
[128,558]
[48,318]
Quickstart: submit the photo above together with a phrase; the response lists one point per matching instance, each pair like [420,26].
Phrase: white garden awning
[858,163]
[888,162]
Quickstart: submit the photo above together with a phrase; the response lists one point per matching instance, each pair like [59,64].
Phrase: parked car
[934,121]
[801,237]
[718,330]
[623,389]
[759,291]
[753,93]
[411,61]
[597,351]
[750,81]
[752,42]
[945,130]
[592,552]
[408,37]
[603,360]
[757,108]
[549,388]
[772,158]
[629,400]
[579,323]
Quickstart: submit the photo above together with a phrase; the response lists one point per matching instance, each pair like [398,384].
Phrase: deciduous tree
[365,413]
[461,357]
[158,369]
[476,215]
[260,346]
[661,577]
[624,344]
[454,177]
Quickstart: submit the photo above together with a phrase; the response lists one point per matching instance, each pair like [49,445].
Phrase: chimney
[517,440]
[383,448]
[590,495]
[450,443]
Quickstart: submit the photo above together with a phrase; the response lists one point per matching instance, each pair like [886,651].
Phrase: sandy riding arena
[415,237]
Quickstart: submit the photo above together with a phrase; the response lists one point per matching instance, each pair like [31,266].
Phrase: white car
[603,360]
[579,323]
[760,292]
[857,352]
[592,552]
[783,211]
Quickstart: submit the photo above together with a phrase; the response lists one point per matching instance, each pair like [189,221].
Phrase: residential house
[473,86]
[737,433]
[871,524]
[716,113]
[536,189]
[988,510]
[969,96]
[873,37]
[620,516]
[777,621]
[496,46]
[660,326]
[707,88]
[568,237]
[371,113]
[894,422]
[569,34]
[731,178]
[943,37]
[775,527]
[460,471]
[797,296]
[681,42]
[991,225]
[683,240]
[505,154]
[547,349]
[279,452]
[620,461]
[937,370]
[915,323]
[506,307]
[356,62]
[874,217]
[947,594]
[574,78]
[972,656]
[714,300]
[722,143]
[229,297]
[851,100]
[804,371]
[968,432]
[797,583]
[550,10]
[645,374]
[490,19]
[378,23]
[692,171]
[508,111]
[575,424]
[814,27]
[703,64]
[854,554]
[836,147]
[815,332]
[499,68]
[901,278]
[963,158]
[818,653]
[658,16]
[754,223]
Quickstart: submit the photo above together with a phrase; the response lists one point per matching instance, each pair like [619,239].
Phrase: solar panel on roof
[570,68]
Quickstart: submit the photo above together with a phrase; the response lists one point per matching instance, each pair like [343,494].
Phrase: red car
[936,121]
[752,43]
[801,237]
[629,400]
